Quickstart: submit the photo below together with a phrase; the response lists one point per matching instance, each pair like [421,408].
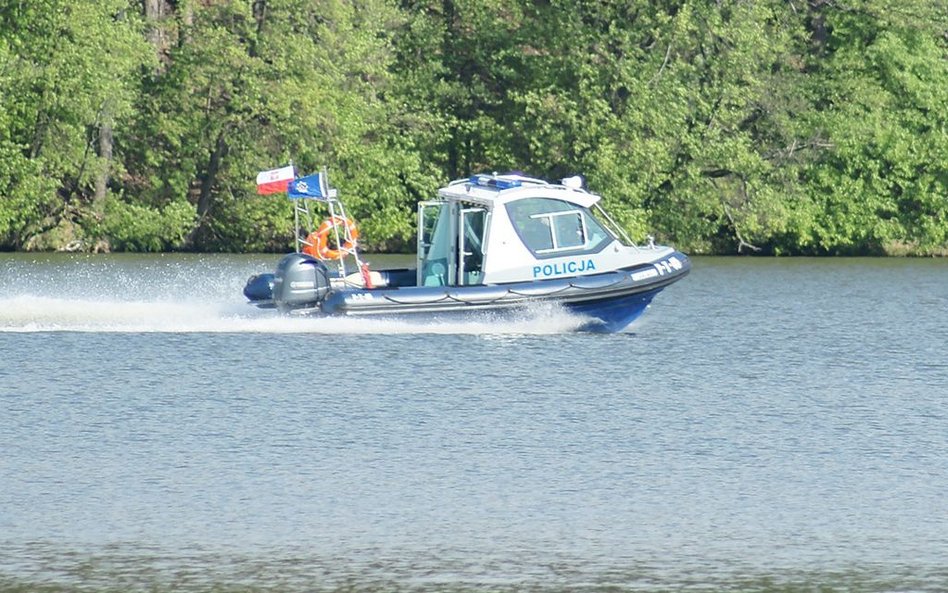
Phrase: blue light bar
[491,181]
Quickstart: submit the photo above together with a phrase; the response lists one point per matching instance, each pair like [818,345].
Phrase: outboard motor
[259,290]
[300,282]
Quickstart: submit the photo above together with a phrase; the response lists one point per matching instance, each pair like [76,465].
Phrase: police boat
[486,243]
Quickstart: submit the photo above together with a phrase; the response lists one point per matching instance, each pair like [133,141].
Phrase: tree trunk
[259,9]
[105,153]
[185,10]
[816,24]
[206,197]
[155,12]
[260,14]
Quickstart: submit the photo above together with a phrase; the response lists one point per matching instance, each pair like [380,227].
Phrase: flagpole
[296,214]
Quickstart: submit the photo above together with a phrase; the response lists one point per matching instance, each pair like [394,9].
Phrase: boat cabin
[510,228]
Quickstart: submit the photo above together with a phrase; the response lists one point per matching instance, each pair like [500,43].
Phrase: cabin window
[554,227]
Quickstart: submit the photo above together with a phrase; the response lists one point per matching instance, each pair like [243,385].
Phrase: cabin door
[435,243]
[450,244]
[472,222]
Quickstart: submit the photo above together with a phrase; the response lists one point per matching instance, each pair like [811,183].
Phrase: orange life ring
[317,243]
[309,244]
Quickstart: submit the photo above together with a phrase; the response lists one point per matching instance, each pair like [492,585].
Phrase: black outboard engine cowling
[301,281]
[259,290]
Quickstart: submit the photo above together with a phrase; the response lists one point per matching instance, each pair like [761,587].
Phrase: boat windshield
[550,227]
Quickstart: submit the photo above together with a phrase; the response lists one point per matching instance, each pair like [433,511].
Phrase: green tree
[773,127]
[672,109]
[881,181]
[251,86]
[69,67]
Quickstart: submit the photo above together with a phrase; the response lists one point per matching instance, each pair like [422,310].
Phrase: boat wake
[32,313]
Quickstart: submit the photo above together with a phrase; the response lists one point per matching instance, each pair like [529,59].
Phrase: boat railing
[307,216]
[615,228]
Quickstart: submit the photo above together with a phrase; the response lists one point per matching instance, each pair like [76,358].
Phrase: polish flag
[274,181]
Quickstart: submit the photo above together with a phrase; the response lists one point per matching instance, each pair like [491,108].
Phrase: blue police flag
[311,186]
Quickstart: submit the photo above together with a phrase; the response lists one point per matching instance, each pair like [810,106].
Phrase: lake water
[768,425]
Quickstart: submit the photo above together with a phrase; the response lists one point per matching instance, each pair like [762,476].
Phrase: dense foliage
[774,126]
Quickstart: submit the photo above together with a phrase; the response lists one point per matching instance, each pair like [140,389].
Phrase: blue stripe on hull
[613,315]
